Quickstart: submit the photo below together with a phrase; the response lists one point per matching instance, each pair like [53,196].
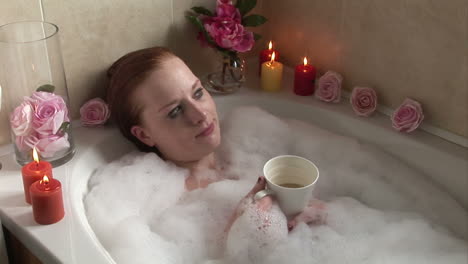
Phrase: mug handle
[259,195]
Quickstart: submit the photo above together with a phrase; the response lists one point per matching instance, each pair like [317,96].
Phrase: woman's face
[178,116]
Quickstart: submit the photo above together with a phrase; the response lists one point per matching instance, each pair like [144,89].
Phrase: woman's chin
[210,141]
[211,144]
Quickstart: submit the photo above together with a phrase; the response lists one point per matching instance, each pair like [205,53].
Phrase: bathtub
[73,241]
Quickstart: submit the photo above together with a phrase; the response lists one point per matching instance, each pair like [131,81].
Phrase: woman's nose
[196,114]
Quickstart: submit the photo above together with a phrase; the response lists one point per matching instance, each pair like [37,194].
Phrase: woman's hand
[264,204]
[255,228]
[314,213]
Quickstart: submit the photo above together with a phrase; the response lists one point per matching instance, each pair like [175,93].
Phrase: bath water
[379,210]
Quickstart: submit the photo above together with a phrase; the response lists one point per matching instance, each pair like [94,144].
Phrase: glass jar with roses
[225,30]
[35,92]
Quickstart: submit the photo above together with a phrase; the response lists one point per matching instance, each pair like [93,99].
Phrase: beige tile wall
[93,34]
[96,33]
[402,48]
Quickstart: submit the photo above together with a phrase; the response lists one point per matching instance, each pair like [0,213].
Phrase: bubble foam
[379,210]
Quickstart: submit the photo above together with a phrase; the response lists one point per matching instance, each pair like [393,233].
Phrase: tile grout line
[41,6]
[340,33]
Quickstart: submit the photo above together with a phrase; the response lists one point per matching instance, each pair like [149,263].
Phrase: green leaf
[257,36]
[46,88]
[64,127]
[197,22]
[253,20]
[245,6]
[202,10]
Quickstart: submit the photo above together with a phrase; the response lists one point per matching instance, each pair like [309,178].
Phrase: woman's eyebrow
[171,103]
[195,84]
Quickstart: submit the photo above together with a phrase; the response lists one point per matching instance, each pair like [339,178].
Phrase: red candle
[304,79]
[47,202]
[34,171]
[265,55]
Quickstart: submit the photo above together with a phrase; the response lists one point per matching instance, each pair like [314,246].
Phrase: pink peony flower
[229,33]
[219,2]
[329,87]
[94,112]
[228,11]
[50,112]
[50,144]
[21,119]
[408,116]
[363,101]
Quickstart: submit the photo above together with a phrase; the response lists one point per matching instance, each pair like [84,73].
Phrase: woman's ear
[140,133]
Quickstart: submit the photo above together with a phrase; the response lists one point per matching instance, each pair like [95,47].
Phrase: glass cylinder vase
[229,76]
[35,93]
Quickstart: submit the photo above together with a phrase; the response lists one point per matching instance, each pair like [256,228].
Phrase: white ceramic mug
[291,180]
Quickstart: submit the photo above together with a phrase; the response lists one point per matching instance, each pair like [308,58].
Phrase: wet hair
[125,75]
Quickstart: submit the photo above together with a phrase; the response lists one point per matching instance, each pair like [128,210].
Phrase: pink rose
[329,87]
[21,119]
[407,116]
[94,112]
[363,100]
[229,33]
[50,112]
[24,143]
[50,144]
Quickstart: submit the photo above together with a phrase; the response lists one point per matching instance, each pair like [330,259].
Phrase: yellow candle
[272,73]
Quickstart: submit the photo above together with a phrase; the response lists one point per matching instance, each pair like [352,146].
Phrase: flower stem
[225,64]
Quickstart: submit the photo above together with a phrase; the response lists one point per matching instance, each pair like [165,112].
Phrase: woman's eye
[175,112]
[198,93]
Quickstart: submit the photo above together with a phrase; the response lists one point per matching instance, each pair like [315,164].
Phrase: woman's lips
[207,130]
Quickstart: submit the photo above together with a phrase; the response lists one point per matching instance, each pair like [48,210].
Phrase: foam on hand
[379,209]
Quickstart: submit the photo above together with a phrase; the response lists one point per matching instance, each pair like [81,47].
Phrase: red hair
[125,75]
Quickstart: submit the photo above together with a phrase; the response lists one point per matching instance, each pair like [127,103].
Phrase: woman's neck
[198,177]
[207,162]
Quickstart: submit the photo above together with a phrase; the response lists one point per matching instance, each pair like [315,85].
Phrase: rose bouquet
[41,121]
[225,29]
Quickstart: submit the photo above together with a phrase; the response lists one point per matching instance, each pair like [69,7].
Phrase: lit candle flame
[45,180]
[305,61]
[270,45]
[35,155]
[272,57]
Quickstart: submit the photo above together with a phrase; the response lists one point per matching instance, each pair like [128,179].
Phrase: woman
[162,107]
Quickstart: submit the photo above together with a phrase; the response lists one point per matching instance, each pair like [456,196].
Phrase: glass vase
[229,77]
[35,92]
